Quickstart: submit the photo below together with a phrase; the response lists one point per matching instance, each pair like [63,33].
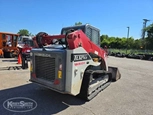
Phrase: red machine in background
[25,45]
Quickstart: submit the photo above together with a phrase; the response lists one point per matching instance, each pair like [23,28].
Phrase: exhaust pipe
[115,73]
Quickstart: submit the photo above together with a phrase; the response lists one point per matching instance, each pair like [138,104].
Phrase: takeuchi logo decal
[80,57]
[19,104]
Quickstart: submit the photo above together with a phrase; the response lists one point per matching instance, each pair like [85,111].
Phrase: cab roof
[83,25]
[8,33]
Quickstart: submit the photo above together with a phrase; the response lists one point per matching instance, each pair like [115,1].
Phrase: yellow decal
[59,74]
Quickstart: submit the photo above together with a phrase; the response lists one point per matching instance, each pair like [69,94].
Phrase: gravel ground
[131,95]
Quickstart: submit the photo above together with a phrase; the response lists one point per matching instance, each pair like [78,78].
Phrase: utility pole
[144,26]
[127,38]
[143,32]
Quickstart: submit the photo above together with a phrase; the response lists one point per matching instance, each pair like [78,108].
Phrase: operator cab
[91,32]
[25,40]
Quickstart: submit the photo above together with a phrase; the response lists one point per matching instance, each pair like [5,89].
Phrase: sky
[112,17]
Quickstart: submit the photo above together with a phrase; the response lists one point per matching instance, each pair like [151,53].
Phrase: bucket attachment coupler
[115,73]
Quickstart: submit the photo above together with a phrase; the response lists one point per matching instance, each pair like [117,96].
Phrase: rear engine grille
[45,68]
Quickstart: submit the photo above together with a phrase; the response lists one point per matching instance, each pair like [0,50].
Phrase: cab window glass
[9,38]
[14,38]
[3,36]
[95,36]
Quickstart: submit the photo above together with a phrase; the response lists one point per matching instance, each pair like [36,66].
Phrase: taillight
[33,75]
[56,82]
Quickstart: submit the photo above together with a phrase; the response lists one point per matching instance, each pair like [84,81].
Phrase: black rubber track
[87,79]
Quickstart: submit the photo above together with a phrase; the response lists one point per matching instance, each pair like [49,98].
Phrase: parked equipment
[22,39]
[72,63]
[25,44]
[8,44]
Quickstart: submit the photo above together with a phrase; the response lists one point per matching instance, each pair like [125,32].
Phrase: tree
[149,39]
[105,42]
[149,30]
[137,44]
[122,43]
[130,43]
[149,43]
[24,32]
[102,37]
[78,23]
